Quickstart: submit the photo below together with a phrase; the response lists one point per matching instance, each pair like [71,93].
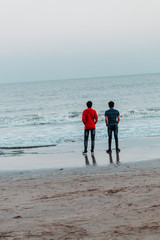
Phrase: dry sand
[115,202]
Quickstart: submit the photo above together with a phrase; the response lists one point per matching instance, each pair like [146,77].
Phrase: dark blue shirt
[112,115]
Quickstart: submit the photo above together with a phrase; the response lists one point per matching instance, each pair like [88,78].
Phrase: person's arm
[106,120]
[118,119]
[83,118]
[95,118]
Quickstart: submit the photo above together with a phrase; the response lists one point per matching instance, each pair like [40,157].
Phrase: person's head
[89,104]
[111,104]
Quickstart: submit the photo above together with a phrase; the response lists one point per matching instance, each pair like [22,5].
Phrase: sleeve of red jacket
[83,117]
[96,116]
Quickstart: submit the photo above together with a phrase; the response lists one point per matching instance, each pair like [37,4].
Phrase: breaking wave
[70,117]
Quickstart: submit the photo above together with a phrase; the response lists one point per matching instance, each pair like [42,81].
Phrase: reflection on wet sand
[9,153]
[87,160]
[110,158]
[93,160]
[117,157]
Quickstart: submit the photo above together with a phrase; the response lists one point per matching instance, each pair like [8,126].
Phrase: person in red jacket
[89,118]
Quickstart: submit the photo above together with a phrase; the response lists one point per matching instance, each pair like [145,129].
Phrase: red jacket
[89,118]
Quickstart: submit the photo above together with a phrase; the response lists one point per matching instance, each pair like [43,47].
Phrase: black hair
[111,104]
[89,104]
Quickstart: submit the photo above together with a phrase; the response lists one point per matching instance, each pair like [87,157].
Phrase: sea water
[50,112]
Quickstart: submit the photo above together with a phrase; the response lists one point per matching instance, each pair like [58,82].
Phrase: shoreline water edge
[69,155]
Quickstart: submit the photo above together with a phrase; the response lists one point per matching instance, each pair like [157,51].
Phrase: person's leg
[109,137]
[93,132]
[116,136]
[86,135]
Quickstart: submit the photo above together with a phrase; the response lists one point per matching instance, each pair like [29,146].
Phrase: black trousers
[86,135]
[111,129]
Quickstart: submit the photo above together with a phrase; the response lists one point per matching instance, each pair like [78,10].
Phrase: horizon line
[81,78]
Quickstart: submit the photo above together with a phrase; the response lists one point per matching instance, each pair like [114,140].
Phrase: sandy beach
[92,201]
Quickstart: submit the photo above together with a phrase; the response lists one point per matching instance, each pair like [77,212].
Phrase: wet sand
[111,202]
[69,155]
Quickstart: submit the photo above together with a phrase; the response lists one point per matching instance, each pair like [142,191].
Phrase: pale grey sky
[61,39]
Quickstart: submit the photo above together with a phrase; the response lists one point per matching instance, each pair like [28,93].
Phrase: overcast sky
[61,39]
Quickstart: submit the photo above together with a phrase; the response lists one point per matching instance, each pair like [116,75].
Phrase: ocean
[49,113]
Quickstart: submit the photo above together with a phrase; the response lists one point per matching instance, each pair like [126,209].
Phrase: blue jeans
[114,129]
[86,135]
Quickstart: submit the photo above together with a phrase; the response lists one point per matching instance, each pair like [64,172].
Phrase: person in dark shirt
[112,118]
[89,118]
